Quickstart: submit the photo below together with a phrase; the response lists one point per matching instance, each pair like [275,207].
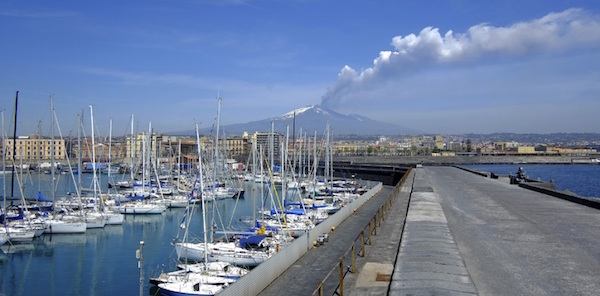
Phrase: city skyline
[437,66]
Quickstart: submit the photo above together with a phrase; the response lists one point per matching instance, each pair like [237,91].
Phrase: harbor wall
[590,202]
[547,188]
[264,274]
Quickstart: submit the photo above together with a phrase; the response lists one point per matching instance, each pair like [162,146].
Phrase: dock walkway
[302,277]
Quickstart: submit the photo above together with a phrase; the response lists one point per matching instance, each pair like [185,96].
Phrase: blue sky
[440,66]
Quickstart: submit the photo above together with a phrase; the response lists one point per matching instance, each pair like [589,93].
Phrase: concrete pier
[452,232]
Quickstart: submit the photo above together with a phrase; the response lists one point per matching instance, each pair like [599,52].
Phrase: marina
[103,261]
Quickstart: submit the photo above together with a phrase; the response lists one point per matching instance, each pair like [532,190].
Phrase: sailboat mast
[326,172]
[315,164]
[93,151]
[202,197]
[284,162]
[217,142]
[109,147]
[272,145]
[214,193]
[131,152]
[52,146]
[14,148]
[3,162]
[79,171]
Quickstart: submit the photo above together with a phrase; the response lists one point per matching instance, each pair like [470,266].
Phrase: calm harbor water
[103,261]
[582,179]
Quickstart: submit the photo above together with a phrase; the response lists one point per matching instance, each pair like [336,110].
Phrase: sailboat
[17,231]
[64,221]
[186,285]
[143,207]
[216,251]
[110,217]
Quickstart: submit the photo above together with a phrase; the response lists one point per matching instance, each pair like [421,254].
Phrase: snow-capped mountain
[314,118]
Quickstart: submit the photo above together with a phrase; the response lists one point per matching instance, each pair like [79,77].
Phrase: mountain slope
[314,118]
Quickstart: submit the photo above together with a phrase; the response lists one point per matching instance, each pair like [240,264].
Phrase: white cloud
[553,34]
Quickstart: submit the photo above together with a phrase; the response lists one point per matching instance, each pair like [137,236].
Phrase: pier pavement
[512,241]
[451,232]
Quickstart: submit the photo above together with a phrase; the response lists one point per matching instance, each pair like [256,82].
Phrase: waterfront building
[134,145]
[268,141]
[101,149]
[34,148]
[526,150]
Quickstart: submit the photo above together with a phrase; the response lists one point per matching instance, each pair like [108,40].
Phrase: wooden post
[369,232]
[376,222]
[363,243]
[353,254]
[320,288]
[342,277]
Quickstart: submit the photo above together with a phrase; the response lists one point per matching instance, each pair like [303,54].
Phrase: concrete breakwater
[541,187]
[475,159]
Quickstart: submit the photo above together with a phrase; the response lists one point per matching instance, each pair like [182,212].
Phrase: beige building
[526,150]
[101,150]
[33,148]
[136,144]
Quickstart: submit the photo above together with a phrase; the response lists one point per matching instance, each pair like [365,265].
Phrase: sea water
[581,179]
[103,261]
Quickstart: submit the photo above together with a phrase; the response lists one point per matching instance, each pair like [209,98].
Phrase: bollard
[341,276]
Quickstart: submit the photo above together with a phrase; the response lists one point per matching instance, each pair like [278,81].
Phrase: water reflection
[102,261]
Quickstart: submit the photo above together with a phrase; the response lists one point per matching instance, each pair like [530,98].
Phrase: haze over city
[445,67]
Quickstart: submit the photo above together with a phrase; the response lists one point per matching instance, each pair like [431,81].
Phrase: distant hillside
[314,118]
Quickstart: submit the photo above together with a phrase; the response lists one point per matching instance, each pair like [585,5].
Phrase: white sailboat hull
[142,209]
[19,234]
[96,221]
[220,252]
[188,288]
[114,218]
[65,227]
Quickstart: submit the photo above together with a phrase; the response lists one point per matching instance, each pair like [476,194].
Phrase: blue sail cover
[252,240]
[42,198]
[290,211]
[136,197]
